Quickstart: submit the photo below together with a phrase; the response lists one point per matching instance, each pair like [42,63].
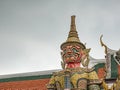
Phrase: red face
[71,54]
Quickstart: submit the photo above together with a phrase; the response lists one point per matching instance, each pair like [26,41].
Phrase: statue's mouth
[72,57]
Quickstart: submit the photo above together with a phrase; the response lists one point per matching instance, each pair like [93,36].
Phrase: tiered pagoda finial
[73,35]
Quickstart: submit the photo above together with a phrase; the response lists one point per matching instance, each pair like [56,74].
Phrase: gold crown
[73,35]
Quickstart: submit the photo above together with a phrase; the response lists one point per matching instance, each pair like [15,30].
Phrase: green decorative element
[25,78]
[93,87]
[114,68]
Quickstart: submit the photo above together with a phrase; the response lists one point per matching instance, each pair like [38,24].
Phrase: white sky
[31,31]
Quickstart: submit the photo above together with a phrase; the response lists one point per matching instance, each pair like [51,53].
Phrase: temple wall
[39,84]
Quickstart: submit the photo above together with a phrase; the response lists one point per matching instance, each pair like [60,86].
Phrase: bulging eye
[64,51]
[74,50]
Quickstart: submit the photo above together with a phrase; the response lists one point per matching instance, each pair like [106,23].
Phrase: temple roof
[27,76]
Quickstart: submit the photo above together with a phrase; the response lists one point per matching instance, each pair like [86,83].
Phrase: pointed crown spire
[73,35]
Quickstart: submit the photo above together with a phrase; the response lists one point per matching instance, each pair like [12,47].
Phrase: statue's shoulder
[86,70]
[62,72]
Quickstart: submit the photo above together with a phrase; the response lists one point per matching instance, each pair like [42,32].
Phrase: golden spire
[73,35]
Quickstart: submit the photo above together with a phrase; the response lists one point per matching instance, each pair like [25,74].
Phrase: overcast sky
[31,31]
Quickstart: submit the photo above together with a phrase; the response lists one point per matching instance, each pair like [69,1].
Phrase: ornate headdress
[73,35]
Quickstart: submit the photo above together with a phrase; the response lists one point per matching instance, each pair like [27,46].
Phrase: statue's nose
[69,51]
